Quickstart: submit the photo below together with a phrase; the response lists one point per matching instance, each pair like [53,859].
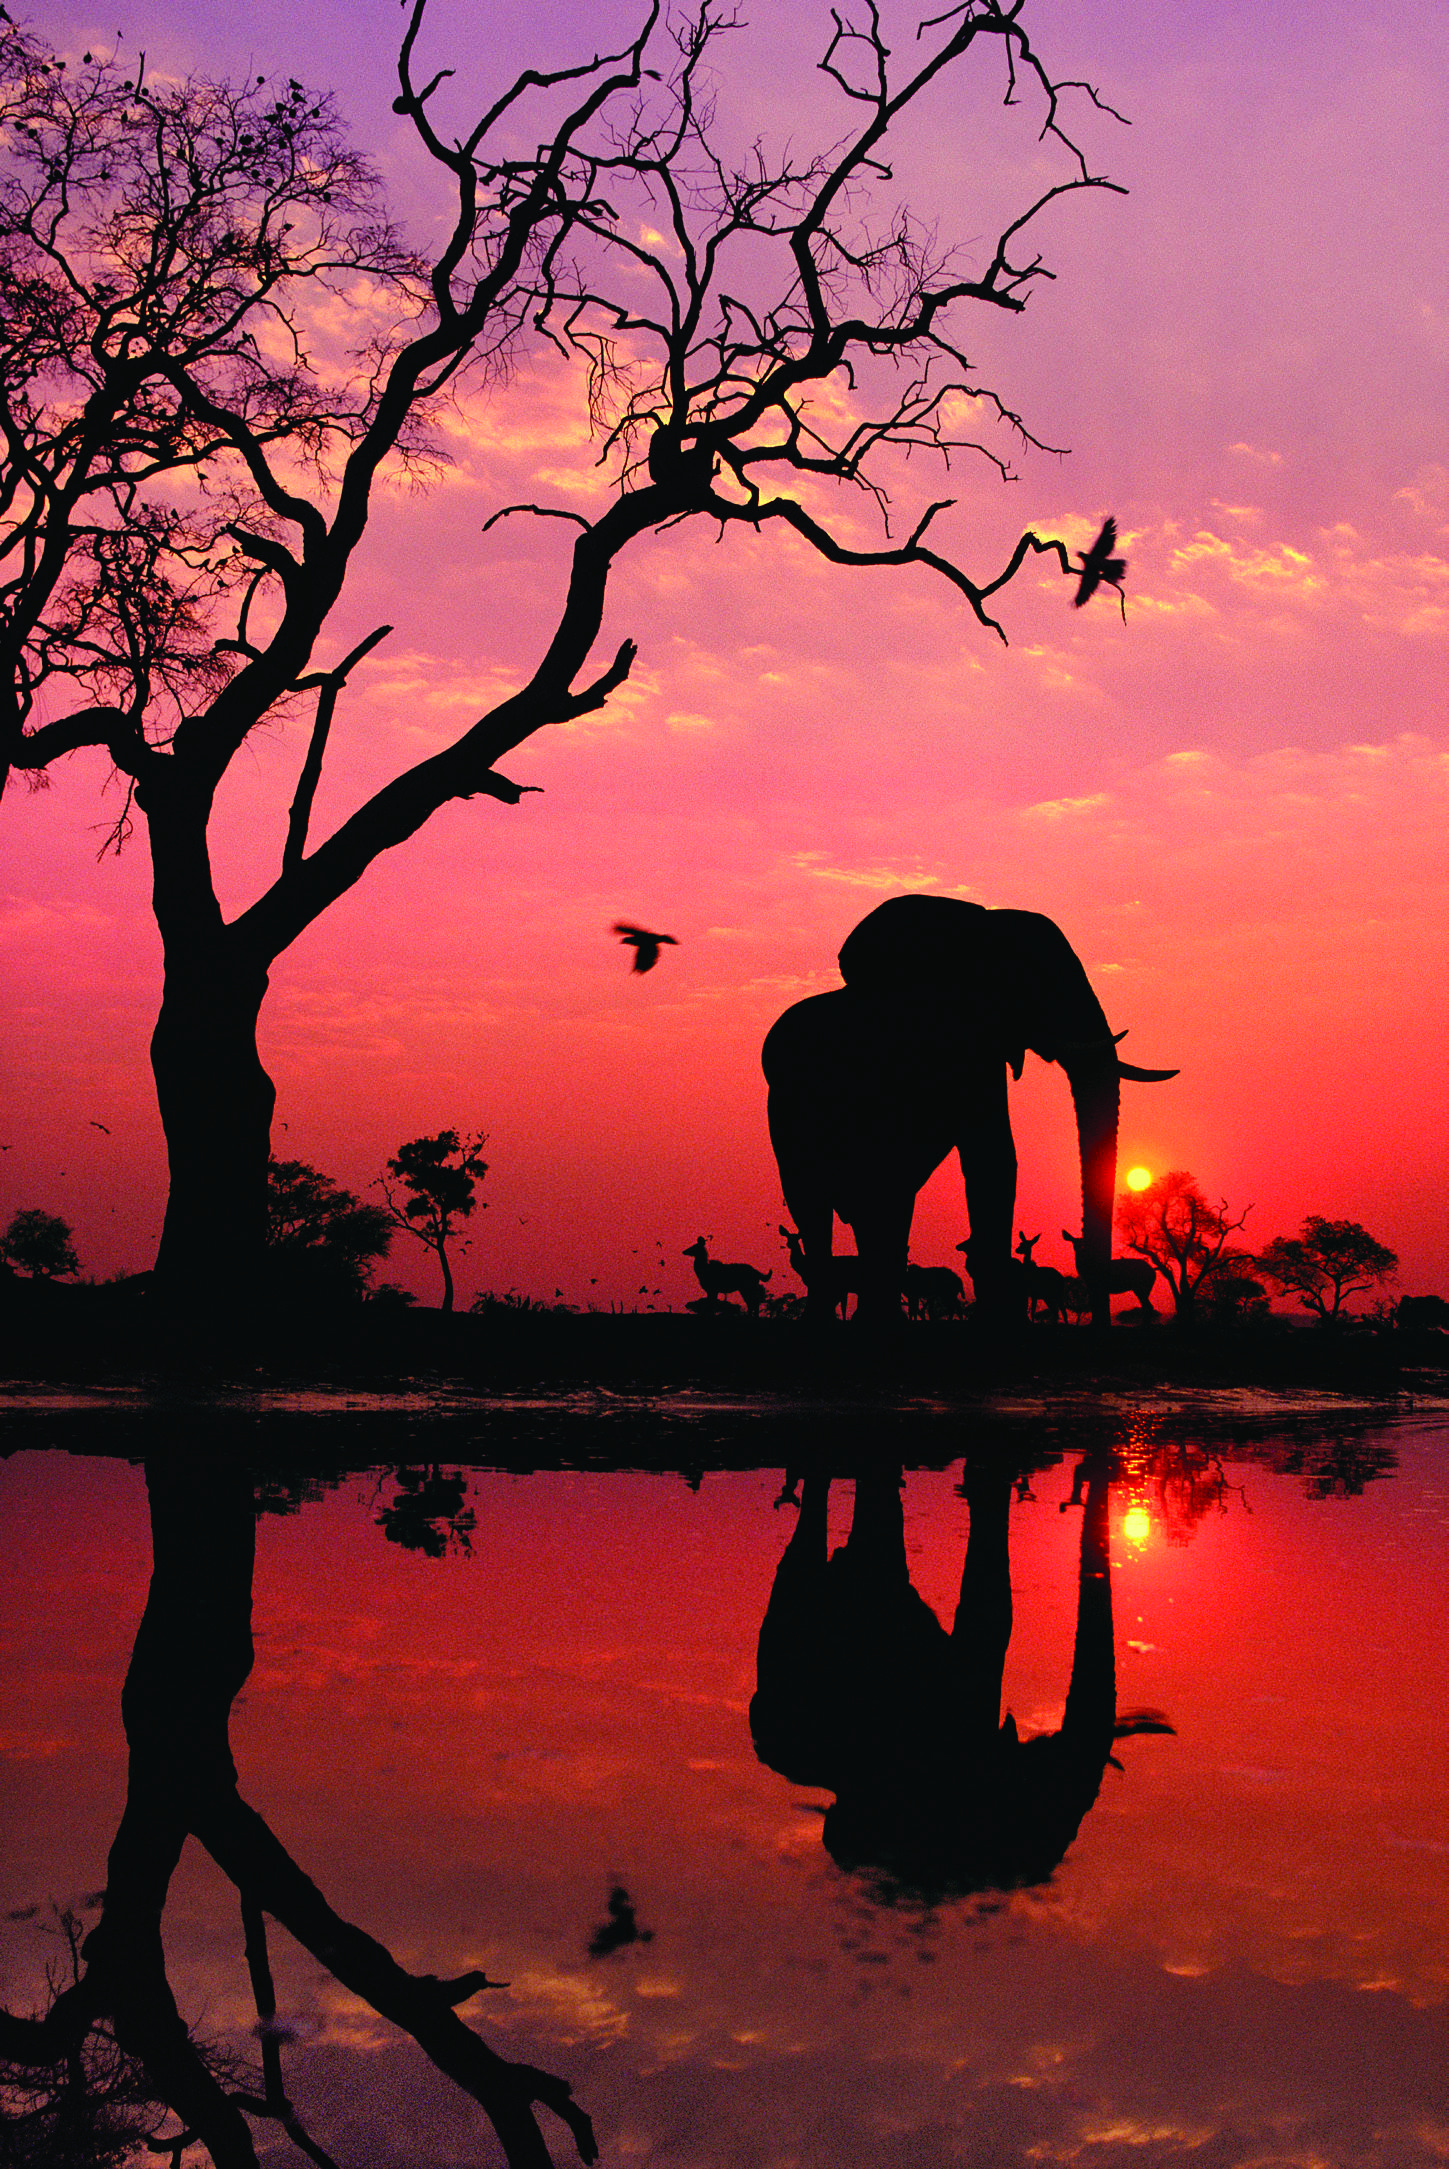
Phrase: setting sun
[1137,1525]
[1138,1177]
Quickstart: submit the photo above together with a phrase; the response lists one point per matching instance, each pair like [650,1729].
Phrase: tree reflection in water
[192,1655]
[862,1692]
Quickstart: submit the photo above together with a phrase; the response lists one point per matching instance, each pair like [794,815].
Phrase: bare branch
[540,512]
[907,553]
[331,685]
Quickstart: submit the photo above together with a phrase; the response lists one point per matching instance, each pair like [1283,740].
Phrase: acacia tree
[325,1240]
[1187,1239]
[1325,1263]
[439,1175]
[186,468]
[39,1243]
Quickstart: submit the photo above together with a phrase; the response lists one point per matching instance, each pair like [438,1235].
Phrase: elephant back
[1007,978]
[923,941]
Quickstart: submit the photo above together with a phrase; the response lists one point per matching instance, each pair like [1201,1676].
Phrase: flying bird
[101,1126]
[1099,564]
[621,1928]
[646,946]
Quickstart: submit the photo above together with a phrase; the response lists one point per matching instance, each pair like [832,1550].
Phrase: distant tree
[1172,1223]
[320,1239]
[1233,1295]
[439,1175]
[429,1512]
[40,1245]
[1325,1263]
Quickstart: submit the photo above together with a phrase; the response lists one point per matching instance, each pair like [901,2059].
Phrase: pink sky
[1233,804]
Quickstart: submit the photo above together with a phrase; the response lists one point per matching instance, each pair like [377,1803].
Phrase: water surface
[483,1702]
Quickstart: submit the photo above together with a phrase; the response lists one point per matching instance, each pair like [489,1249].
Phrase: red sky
[1232,804]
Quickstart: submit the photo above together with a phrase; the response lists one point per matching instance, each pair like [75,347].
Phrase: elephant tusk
[1145,1076]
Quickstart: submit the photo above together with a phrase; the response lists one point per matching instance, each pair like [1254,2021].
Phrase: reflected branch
[192,1655]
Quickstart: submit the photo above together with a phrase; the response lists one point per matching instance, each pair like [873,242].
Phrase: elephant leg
[981,1632]
[791,1711]
[883,1241]
[988,1169]
[876,1546]
[813,1214]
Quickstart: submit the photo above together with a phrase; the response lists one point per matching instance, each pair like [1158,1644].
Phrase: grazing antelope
[719,1280]
[1420,1312]
[839,1277]
[934,1292]
[1074,1296]
[1125,1276]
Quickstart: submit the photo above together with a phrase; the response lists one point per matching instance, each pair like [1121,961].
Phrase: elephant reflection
[873,1084]
[862,1692]
[192,1655]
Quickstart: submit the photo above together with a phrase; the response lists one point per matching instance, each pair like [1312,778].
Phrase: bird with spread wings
[646,946]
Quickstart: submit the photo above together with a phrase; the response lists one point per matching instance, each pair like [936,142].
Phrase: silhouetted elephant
[872,1085]
[862,1692]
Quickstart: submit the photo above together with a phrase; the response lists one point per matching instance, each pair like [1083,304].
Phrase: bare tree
[115,2028]
[1172,1223]
[185,472]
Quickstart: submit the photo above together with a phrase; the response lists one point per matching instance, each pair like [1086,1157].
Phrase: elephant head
[1012,980]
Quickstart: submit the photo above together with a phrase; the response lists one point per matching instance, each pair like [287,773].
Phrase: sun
[1137,1525]
[1138,1177]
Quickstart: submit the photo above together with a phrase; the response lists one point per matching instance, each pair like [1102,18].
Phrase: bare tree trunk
[216,1105]
[447,1274]
[215,1098]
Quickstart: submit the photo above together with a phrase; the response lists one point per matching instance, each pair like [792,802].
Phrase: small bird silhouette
[646,946]
[101,1126]
[621,1928]
[1099,564]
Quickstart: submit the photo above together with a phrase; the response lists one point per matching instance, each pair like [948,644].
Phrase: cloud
[1278,565]
[819,868]
[1427,495]
[1262,587]
[22,918]
[1060,809]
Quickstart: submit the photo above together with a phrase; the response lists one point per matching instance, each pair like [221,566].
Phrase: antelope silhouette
[934,1292]
[1042,1284]
[719,1280]
[1125,1276]
[840,1277]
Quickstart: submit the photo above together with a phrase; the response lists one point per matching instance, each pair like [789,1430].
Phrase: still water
[800,1896]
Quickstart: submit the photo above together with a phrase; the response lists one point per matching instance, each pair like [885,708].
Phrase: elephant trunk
[1096,1093]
